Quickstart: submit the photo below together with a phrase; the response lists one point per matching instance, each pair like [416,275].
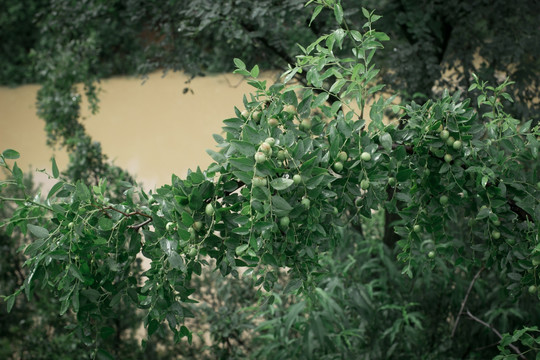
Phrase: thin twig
[133,213]
[465,300]
[513,347]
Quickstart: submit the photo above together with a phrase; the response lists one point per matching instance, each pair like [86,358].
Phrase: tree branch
[513,347]
[465,300]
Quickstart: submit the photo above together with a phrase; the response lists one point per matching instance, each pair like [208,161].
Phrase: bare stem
[513,347]
[465,300]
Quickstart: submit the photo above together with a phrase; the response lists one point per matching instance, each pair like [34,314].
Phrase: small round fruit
[256,116]
[450,141]
[270,141]
[448,158]
[365,156]
[169,226]
[364,184]
[273,122]
[440,128]
[532,289]
[496,222]
[338,166]
[284,221]
[495,234]
[297,179]
[197,226]
[70,225]
[209,210]
[457,145]
[336,211]
[281,155]
[259,181]
[417,228]
[245,114]
[342,156]
[305,125]
[431,254]
[289,109]
[444,134]
[392,181]
[191,231]
[192,252]
[306,202]
[260,157]
[443,200]
[266,148]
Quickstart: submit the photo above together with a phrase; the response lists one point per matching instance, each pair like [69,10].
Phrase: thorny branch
[133,213]
[465,300]
[513,347]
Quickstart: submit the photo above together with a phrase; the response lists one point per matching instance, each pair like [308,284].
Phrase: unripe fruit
[297,179]
[209,210]
[70,225]
[273,122]
[260,157]
[259,181]
[270,141]
[495,234]
[342,156]
[364,184]
[256,116]
[457,145]
[197,226]
[281,155]
[450,141]
[532,289]
[289,109]
[245,114]
[284,221]
[392,181]
[448,158]
[440,128]
[338,166]
[305,125]
[335,211]
[443,200]
[169,226]
[365,156]
[192,252]
[431,254]
[417,228]
[306,202]
[266,148]
[444,134]
[191,231]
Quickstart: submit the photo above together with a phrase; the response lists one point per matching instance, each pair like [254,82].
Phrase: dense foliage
[293,212]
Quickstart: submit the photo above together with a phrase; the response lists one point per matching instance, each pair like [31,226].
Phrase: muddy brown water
[152,129]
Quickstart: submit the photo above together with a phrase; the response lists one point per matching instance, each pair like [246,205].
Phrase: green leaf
[269,259]
[243,147]
[241,249]
[82,191]
[386,141]
[55,188]
[55,171]
[239,64]
[105,223]
[10,154]
[176,261]
[255,71]
[338,12]
[38,231]
[315,13]
[281,183]
[218,157]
